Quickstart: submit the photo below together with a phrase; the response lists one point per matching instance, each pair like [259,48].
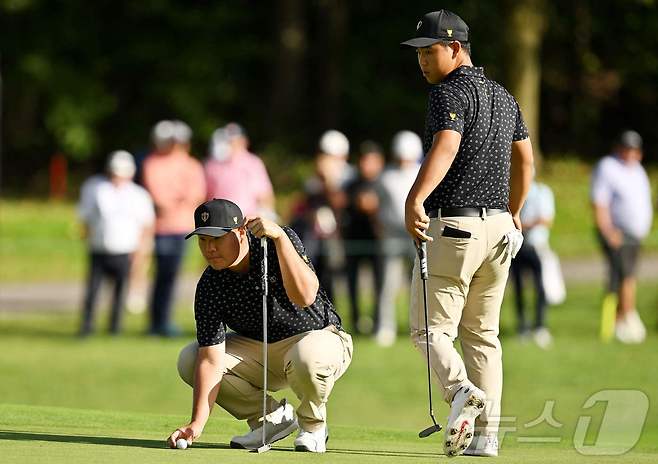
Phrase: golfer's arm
[207,376]
[521,175]
[299,280]
[435,166]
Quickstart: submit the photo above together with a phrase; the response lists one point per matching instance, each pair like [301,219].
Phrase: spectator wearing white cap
[229,160]
[177,185]
[397,250]
[317,215]
[335,146]
[117,214]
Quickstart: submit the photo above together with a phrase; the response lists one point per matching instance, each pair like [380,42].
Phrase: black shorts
[622,261]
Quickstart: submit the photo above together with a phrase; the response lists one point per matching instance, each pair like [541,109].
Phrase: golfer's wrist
[197,425]
[279,238]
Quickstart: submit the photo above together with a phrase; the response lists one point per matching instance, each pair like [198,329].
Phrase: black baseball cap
[216,217]
[437,26]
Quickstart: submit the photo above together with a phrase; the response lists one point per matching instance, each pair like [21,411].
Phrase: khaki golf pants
[465,290]
[308,363]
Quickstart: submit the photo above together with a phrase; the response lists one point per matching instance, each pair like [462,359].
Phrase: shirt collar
[471,71]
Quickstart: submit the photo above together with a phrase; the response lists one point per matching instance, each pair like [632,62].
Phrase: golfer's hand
[262,227]
[513,240]
[417,222]
[189,432]
[517,222]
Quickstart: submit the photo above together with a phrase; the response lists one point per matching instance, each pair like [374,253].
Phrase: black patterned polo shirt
[229,299]
[489,120]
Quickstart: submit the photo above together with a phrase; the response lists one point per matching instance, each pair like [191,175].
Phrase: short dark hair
[466,46]
[369,146]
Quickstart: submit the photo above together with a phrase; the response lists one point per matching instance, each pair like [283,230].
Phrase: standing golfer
[476,170]
[308,349]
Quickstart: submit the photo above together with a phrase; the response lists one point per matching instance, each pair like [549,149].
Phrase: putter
[263,244]
[422,259]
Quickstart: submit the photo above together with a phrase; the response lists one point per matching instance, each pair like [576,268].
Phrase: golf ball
[181,443]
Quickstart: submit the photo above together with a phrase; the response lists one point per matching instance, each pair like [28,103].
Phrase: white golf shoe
[314,442]
[639,331]
[467,405]
[278,425]
[630,329]
[483,445]
[542,338]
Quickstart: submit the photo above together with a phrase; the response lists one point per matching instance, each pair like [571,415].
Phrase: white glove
[513,239]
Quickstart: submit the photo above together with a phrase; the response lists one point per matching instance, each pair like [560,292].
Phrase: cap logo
[453,116]
[235,219]
[204,216]
[449,31]
[420,23]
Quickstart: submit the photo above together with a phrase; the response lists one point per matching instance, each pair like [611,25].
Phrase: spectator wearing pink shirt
[232,172]
[177,185]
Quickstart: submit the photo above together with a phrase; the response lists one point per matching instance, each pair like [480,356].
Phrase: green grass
[41,240]
[107,399]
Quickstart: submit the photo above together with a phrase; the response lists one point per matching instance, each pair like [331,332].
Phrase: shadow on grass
[397,454]
[111,441]
[160,444]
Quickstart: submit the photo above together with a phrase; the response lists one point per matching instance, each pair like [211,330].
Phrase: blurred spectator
[397,248]
[335,145]
[177,184]
[536,218]
[137,299]
[361,232]
[117,214]
[621,198]
[232,172]
[316,216]
[138,287]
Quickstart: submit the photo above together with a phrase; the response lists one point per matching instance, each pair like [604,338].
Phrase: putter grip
[263,245]
[422,258]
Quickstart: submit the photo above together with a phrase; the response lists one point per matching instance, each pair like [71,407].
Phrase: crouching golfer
[308,349]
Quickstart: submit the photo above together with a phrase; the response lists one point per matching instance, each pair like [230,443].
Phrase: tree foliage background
[84,78]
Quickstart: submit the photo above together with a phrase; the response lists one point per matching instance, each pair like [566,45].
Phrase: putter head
[262,449]
[429,431]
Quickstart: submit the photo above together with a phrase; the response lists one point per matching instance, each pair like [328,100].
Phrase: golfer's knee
[479,337]
[187,361]
[436,334]
[309,370]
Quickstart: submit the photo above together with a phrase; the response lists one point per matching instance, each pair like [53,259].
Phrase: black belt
[467,212]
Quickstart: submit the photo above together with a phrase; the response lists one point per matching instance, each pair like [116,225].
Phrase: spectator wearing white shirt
[117,214]
[397,248]
[621,198]
[536,218]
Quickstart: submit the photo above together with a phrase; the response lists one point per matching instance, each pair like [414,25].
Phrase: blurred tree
[288,86]
[524,32]
[332,23]
[85,78]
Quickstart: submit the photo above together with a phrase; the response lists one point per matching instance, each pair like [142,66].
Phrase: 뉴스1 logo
[420,23]
[204,216]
